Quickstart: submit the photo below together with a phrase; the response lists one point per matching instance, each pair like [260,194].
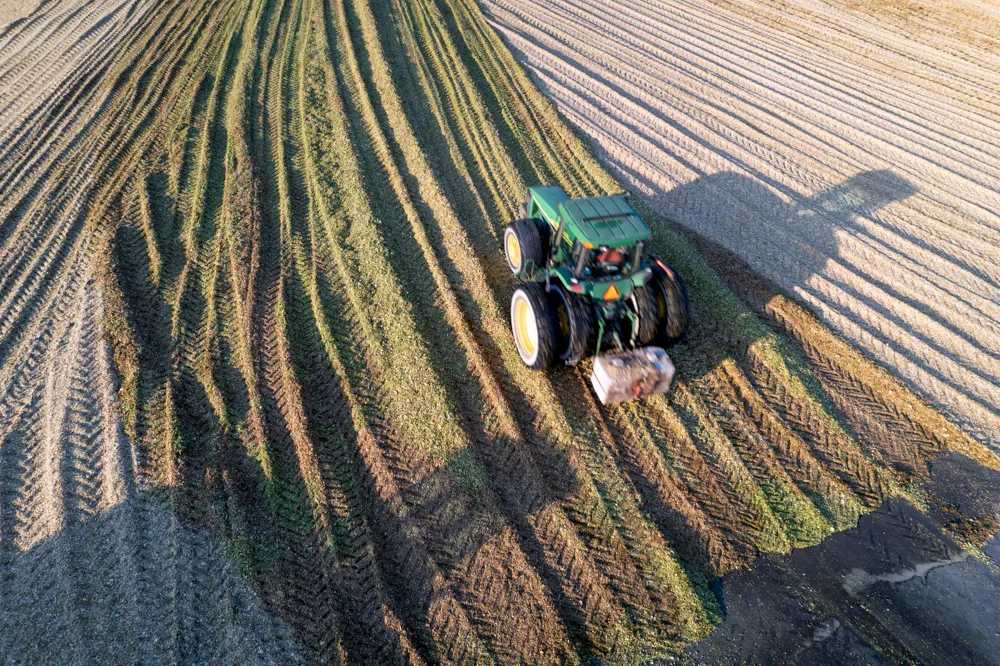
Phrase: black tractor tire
[534,324]
[524,248]
[577,324]
[652,312]
[671,289]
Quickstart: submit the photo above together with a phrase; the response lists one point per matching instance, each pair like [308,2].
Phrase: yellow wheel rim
[513,252]
[525,328]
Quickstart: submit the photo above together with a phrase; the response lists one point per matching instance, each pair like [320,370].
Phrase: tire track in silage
[200,423]
[73,99]
[299,498]
[634,534]
[44,48]
[334,430]
[455,502]
[30,502]
[512,484]
[49,258]
[45,140]
[61,471]
[125,565]
[437,622]
[83,478]
[160,226]
[409,466]
[516,469]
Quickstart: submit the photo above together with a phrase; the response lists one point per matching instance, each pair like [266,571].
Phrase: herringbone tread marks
[828,443]
[718,477]
[783,463]
[872,402]
[643,440]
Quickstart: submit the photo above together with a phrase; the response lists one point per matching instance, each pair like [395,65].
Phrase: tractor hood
[607,220]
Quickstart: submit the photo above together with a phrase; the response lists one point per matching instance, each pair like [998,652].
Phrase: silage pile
[253,301]
[93,569]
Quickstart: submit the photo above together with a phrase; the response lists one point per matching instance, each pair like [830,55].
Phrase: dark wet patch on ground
[898,589]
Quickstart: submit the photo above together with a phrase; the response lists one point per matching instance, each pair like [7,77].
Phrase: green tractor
[587,284]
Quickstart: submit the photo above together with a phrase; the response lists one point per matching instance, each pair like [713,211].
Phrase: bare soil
[847,151]
[13,10]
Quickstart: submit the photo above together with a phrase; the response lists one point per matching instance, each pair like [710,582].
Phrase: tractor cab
[605,262]
[599,237]
[597,244]
[608,227]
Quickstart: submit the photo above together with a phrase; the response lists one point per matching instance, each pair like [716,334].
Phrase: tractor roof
[607,220]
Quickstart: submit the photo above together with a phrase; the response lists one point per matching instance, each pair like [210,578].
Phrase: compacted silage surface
[251,271]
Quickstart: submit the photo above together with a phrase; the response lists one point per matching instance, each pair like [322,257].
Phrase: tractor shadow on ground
[737,217]
[742,215]
[729,226]
[763,244]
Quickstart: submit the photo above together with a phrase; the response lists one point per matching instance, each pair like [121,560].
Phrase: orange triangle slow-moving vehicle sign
[611,294]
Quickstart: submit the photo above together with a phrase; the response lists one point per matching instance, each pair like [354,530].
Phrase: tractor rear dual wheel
[551,325]
[577,324]
[536,328]
[652,313]
[672,296]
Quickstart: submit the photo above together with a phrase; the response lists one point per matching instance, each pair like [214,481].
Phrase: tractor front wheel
[522,245]
[536,330]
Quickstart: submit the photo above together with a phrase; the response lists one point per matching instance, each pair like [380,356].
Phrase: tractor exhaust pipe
[631,375]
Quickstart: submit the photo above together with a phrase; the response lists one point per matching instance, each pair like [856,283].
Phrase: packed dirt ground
[256,376]
[12,10]
[848,151]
